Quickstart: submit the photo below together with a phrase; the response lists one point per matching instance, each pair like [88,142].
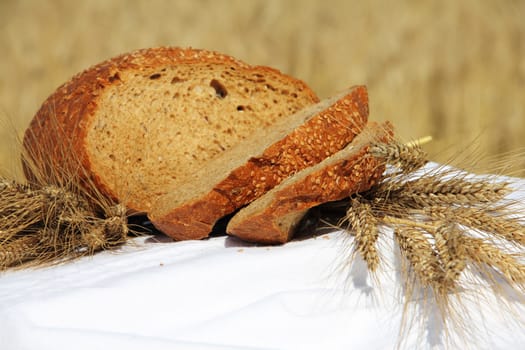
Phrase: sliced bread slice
[272,218]
[255,166]
[144,122]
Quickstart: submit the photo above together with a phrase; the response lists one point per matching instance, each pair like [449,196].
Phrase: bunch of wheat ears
[47,224]
[443,220]
[453,233]
[53,218]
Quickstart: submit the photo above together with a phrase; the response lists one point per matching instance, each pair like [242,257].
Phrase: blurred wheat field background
[451,69]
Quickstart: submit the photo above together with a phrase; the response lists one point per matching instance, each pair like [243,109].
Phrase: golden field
[451,69]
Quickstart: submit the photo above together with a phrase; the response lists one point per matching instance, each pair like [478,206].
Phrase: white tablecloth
[224,294]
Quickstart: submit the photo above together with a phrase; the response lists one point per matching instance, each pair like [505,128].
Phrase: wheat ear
[364,224]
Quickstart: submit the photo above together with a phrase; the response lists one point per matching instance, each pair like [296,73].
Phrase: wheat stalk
[499,224]
[431,190]
[17,251]
[408,157]
[417,249]
[483,254]
[451,253]
[360,217]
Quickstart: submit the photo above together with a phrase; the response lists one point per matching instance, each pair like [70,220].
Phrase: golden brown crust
[276,222]
[320,137]
[56,135]
[358,173]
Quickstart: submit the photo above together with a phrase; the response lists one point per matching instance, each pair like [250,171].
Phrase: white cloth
[223,294]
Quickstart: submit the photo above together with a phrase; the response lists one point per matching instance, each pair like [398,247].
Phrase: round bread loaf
[144,122]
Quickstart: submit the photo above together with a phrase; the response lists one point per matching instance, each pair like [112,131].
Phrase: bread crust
[56,137]
[321,136]
[274,223]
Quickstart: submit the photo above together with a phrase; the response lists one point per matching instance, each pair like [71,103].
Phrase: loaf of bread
[273,217]
[255,166]
[143,123]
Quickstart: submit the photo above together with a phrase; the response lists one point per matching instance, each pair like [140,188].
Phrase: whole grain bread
[143,123]
[274,216]
[254,166]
